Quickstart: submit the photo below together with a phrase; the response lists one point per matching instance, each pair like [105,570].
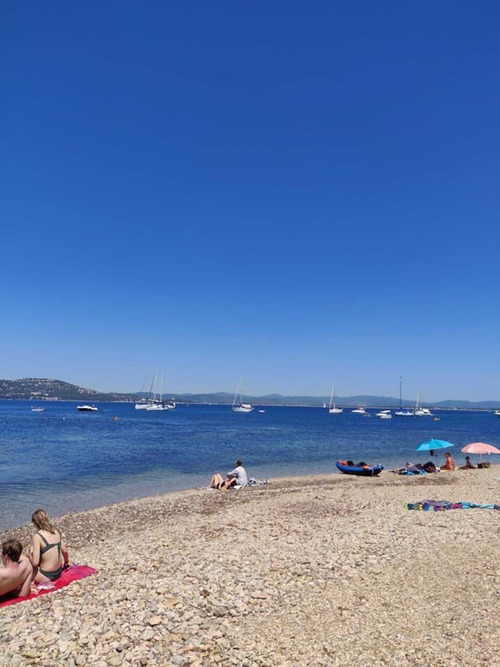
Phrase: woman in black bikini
[48,552]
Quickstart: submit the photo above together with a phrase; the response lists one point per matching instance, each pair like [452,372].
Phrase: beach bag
[483,464]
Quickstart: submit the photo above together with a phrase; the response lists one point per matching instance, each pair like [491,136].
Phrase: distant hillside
[56,390]
[223,398]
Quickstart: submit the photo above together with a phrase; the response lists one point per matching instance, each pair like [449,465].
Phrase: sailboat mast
[238,392]
[152,388]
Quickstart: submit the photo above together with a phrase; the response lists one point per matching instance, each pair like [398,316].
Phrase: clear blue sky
[289,192]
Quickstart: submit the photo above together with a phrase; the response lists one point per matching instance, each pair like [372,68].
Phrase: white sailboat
[154,401]
[156,407]
[238,405]
[401,412]
[157,403]
[143,403]
[333,409]
[419,410]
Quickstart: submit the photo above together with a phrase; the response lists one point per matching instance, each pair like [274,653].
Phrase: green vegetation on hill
[54,390]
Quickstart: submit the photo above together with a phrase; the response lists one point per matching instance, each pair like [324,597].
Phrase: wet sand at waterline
[323,570]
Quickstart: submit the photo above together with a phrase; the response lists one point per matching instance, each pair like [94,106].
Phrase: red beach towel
[73,573]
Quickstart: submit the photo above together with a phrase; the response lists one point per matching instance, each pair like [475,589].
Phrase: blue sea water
[64,460]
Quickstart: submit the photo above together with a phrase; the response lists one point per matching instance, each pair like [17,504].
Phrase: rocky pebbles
[314,571]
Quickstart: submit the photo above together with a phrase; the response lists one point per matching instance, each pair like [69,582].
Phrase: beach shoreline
[311,570]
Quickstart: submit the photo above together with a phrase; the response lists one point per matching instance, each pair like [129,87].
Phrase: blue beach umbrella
[432,446]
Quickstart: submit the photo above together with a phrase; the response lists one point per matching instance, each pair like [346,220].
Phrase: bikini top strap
[47,543]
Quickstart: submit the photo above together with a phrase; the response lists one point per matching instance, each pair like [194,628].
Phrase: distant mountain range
[56,390]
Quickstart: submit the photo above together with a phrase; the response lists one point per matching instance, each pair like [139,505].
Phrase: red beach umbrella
[480,448]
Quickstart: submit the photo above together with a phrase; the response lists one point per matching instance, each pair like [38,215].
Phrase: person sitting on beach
[17,571]
[237,478]
[468,465]
[449,463]
[49,555]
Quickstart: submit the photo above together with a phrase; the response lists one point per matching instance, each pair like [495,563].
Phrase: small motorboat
[361,469]
[87,408]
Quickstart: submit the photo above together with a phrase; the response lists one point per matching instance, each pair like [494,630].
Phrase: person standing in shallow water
[48,552]
[235,478]
[16,573]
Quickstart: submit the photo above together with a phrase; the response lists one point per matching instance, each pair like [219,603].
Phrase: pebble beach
[319,570]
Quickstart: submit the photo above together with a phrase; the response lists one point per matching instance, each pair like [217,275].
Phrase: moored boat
[243,407]
[402,412]
[423,412]
[419,410]
[159,405]
[238,405]
[154,400]
[333,409]
[360,469]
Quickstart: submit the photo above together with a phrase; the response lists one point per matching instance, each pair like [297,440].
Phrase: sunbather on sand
[468,465]
[235,478]
[16,573]
[48,553]
[416,468]
[449,463]
[407,466]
